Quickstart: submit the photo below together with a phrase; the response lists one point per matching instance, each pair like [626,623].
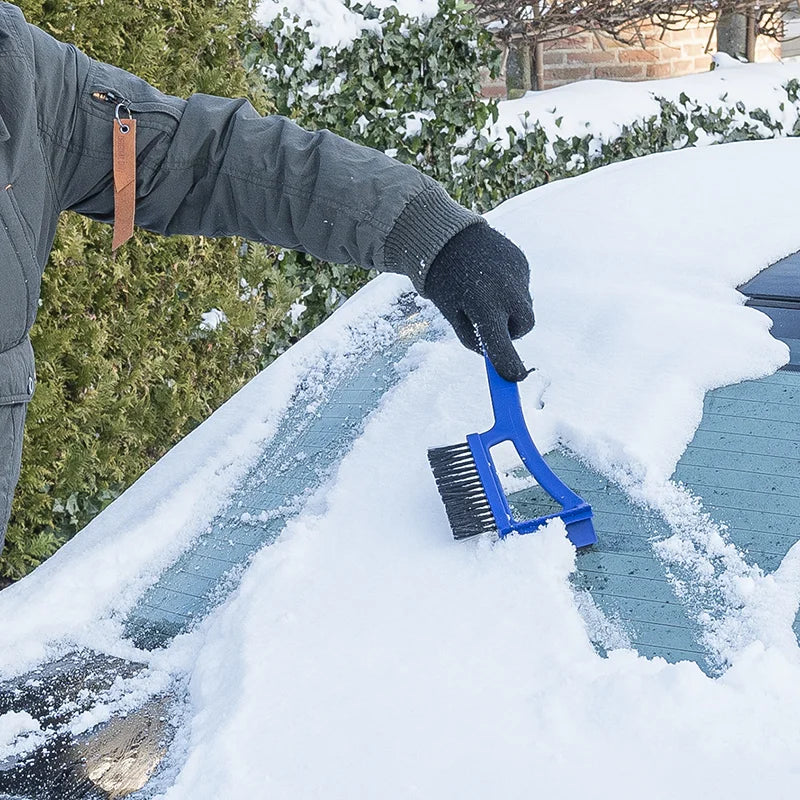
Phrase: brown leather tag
[124,181]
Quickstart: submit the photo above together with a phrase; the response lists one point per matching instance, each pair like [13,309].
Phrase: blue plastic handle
[509,425]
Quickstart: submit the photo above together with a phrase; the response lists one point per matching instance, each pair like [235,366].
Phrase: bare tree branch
[627,21]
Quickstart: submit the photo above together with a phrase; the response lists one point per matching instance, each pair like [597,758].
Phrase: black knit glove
[479,281]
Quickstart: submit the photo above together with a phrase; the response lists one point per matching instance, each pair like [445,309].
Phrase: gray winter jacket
[207,165]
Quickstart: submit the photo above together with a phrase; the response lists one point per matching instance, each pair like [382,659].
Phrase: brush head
[462,491]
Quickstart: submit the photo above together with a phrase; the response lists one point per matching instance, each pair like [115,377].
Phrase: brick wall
[583,56]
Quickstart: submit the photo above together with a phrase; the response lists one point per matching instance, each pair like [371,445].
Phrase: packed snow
[366,654]
[18,728]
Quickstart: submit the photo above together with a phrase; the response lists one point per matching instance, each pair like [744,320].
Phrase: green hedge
[526,156]
[125,370]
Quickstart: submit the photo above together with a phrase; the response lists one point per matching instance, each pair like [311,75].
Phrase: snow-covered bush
[501,162]
[406,85]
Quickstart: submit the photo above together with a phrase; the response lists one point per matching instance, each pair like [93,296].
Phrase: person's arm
[213,166]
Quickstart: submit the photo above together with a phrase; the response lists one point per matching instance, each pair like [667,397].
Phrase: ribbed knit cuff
[426,224]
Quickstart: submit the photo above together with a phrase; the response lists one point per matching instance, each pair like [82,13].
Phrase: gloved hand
[479,281]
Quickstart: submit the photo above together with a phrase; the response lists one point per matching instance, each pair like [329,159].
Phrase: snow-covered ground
[366,654]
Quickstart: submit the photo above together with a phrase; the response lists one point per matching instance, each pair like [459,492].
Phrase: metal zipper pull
[110,96]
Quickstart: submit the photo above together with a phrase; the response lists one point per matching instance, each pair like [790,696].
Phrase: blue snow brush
[470,487]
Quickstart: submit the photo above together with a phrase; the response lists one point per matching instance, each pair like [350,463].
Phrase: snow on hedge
[751,94]
[335,25]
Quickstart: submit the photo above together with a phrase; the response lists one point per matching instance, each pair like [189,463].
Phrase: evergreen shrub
[125,367]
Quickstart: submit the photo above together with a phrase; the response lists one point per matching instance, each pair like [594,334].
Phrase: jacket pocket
[19,273]
[112,90]
[17,374]
[114,99]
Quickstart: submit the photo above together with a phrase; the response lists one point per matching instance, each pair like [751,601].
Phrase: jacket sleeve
[213,166]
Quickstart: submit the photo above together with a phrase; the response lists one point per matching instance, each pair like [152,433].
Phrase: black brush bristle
[462,491]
